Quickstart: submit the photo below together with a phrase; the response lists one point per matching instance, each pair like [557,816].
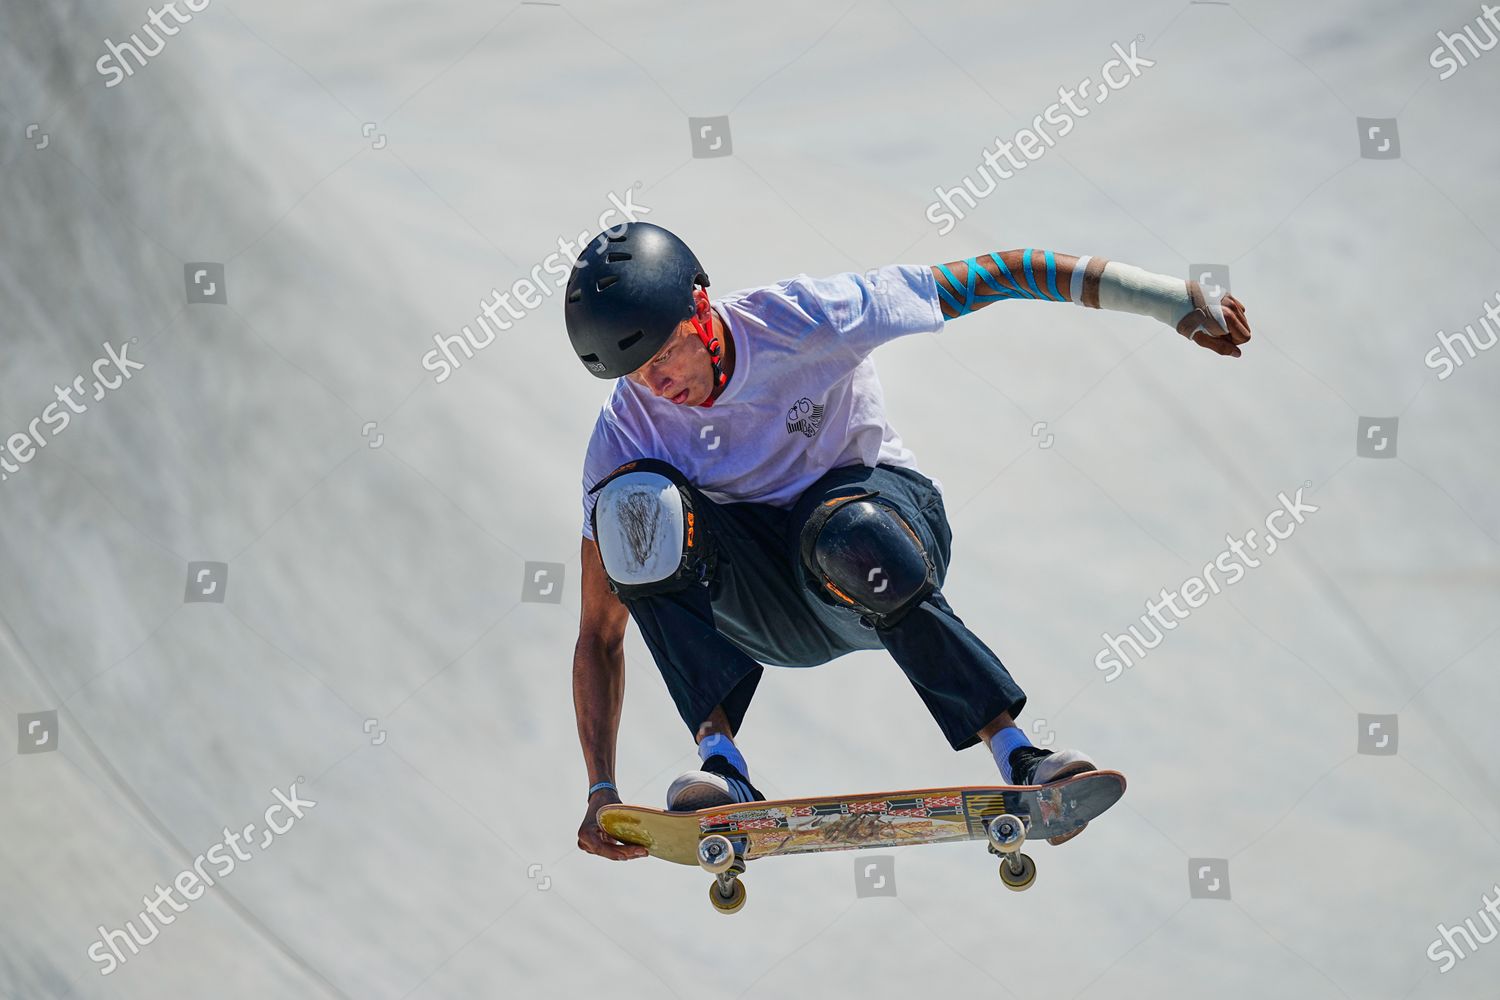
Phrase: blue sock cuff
[718,743]
[1003,743]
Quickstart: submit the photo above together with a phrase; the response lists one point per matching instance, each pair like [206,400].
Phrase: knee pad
[650,537]
[866,557]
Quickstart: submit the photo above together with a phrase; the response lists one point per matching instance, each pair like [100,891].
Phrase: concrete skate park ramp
[288,614]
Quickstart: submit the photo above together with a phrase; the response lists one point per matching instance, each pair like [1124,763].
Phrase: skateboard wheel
[727,903]
[1018,880]
[715,854]
[1007,833]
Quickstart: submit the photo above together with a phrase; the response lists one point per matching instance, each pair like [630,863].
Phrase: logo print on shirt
[804,415]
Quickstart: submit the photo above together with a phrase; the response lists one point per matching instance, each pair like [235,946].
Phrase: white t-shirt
[804,397]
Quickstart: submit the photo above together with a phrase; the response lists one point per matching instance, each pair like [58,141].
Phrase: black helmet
[630,288]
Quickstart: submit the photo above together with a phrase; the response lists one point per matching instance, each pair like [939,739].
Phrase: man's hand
[595,840]
[1217,323]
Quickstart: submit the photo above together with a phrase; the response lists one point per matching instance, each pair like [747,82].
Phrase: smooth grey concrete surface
[376,572]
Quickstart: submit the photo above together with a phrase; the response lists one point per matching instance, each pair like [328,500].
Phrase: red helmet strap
[703,324]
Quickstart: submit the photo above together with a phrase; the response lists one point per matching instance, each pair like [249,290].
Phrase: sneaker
[718,783]
[1035,766]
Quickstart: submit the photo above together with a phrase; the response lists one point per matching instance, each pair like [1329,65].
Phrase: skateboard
[722,839]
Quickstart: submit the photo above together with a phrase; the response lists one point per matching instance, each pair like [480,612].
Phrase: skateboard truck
[724,860]
[1007,833]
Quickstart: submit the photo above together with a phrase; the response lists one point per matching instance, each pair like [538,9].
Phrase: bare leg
[717,722]
[999,722]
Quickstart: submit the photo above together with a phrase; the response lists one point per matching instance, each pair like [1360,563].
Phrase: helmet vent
[606,281]
[620,238]
[575,295]
[615,256]
[629,341]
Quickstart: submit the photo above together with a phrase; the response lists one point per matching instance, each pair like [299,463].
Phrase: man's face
[680,372]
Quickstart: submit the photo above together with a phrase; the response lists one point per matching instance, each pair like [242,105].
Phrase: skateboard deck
[882,819]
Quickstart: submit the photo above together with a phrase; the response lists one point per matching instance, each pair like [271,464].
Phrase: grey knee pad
[651,539]
[866,557]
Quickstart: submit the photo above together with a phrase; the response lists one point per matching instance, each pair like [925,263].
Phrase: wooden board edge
[900,793]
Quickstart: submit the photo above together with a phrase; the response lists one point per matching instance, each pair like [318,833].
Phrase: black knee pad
[650,535]
[866,557]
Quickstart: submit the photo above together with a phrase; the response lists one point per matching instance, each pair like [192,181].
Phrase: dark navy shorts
[762,606]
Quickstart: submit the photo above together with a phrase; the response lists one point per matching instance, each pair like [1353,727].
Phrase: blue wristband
[596,786]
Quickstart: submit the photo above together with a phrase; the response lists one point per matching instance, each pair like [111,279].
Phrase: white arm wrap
[1079,269]
[1127,288]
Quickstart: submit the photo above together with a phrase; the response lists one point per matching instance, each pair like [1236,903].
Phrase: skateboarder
[745,500]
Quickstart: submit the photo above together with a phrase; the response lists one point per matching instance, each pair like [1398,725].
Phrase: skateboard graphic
[722,839]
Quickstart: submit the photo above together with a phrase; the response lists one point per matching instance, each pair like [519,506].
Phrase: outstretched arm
[1210,320]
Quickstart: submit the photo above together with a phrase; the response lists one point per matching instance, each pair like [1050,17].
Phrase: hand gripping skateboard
[722,839]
